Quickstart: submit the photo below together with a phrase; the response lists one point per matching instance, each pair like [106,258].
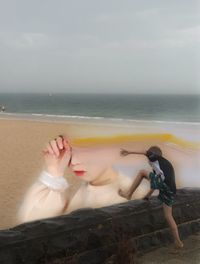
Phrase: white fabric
[98,196]
[42,201]
[54,183]
[156,167]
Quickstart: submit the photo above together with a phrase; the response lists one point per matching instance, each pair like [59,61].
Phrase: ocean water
[183,108]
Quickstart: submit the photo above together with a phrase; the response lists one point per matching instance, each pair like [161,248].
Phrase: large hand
[57,155]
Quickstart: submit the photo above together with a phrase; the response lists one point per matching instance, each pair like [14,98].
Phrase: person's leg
[140,176]
[172,224]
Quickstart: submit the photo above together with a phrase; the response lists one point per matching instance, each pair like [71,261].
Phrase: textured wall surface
[94,235]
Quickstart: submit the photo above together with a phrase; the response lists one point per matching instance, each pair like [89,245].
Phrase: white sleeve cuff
[54,183]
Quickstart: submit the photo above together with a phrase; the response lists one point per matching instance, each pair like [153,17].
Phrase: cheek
[94,171]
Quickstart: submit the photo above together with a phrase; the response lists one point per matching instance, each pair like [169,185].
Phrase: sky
[114,46]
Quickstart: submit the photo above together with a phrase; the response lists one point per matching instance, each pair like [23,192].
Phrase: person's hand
[124,152]
[57,155]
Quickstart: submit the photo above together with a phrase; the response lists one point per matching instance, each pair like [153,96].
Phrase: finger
[54,147]
[49,149]
[59,142]
[66,153]
[64,140]
[61,136]
[66,144]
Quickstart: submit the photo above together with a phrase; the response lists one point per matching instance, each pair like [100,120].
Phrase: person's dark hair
[153,153]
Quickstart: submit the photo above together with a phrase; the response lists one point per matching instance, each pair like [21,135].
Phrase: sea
[173,108]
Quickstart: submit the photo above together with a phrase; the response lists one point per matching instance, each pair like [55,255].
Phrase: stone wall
[92,236]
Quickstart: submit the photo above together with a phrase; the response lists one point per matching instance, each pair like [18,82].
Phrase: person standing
[162,178]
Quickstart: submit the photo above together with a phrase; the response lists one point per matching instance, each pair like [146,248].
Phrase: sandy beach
[22,141]
[167,255]
[21,161]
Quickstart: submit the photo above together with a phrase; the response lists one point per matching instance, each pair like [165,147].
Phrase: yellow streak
[135,138]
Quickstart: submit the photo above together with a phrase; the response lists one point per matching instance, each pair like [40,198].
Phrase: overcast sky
[136,46]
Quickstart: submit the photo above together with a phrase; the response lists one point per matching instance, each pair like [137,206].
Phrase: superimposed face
[90,163]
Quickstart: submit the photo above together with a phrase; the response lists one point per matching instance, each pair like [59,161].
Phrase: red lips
[79,173]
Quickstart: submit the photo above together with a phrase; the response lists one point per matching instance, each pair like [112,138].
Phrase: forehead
[92,156]
[89,149]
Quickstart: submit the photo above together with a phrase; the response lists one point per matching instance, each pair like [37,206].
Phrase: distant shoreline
[86,119]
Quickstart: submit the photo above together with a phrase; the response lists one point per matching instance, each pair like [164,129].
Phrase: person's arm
[49,195]
[125,152]
[148,195]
